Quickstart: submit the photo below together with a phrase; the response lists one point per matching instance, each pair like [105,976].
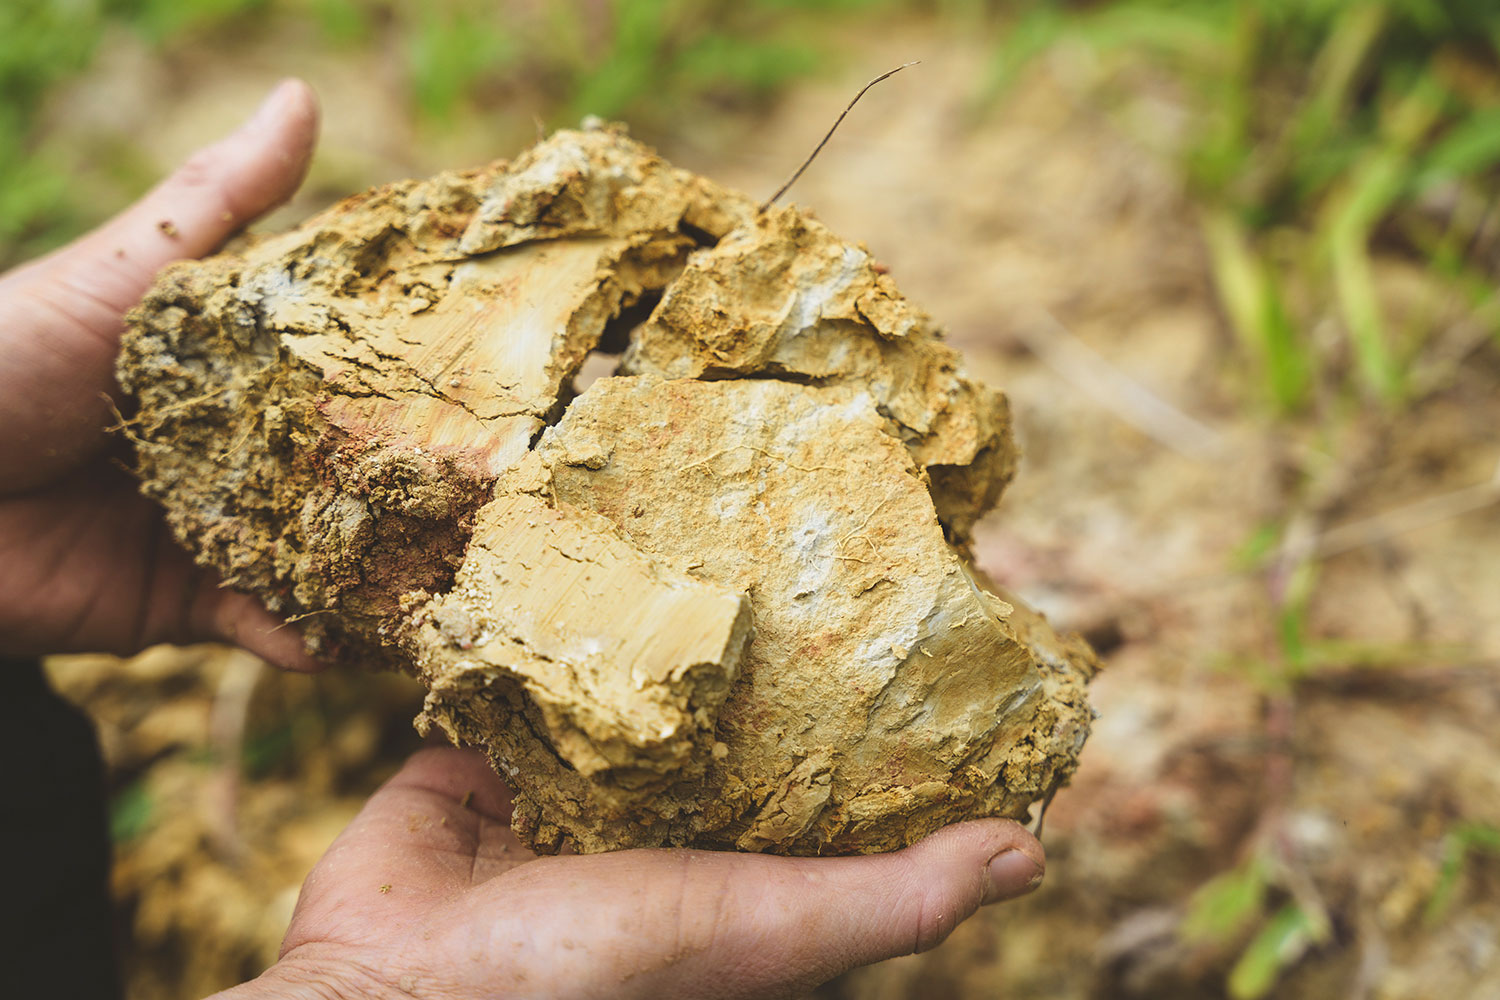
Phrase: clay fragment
[721,598]
[618,703]
[782,297]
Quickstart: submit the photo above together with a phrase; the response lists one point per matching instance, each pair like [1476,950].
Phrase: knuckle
[700,913]
[205,178]
[932,928]
[937,913]
[200,170]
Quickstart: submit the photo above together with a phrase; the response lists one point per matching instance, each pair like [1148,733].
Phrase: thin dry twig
[1041,816]
[121,424]
[302,617]
[227,722]
[1062,350]
[1400,520]
[814,154]
[124,423]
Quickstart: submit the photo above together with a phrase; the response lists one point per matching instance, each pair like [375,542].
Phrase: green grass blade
[1255,309]
[1377,185]
[1223,907]
[1281,942]
[1354,284]
[1470,147]
[1457,846]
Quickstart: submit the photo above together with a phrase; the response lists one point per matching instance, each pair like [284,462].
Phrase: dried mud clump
[721,598]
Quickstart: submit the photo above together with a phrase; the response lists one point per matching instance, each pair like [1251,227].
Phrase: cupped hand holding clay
[89,565]
[429,890]
[429,893]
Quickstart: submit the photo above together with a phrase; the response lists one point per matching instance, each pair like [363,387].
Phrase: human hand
[89,564]
[429,894]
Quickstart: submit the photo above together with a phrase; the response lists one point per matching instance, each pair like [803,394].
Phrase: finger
[60,318]
[429,834]
[459,776]
[703,924]
[241,620]
[218,190]
[91,567]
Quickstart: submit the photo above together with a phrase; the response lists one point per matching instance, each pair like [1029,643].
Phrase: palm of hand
[428,893]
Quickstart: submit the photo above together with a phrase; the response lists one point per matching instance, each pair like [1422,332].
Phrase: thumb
[705,924]
[215,192]
[60,317]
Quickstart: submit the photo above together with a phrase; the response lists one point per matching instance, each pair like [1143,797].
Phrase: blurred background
[1235,263]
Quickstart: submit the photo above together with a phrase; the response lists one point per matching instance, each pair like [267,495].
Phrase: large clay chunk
[783,297]
[718,599]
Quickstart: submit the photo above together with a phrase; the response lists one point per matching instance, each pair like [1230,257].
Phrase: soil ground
[1064,258]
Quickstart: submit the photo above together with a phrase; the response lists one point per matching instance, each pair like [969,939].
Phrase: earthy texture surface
[721,598]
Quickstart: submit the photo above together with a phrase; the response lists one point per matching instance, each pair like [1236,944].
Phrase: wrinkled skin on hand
[90,565]
[428,893]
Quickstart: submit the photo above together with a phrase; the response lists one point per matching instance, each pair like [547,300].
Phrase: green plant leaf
[1457,846]
[451,47]
[1224,906]
[130,813]
[1470,146]
[760,67]
[1260,543]
[343,22]
[159,21]
[1257,312]
[638,58]
[1280,943]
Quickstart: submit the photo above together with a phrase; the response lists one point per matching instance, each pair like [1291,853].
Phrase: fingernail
[1012,874]
[270,108]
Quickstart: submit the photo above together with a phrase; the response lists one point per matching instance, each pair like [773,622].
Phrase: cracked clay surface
[721,598]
